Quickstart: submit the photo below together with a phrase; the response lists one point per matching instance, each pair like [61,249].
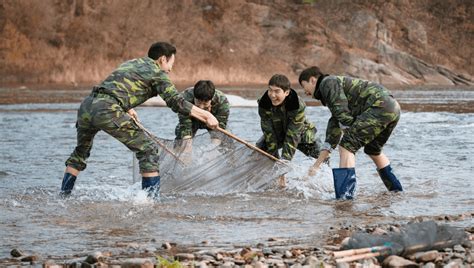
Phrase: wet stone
[267,251]
[454,264]
[150,249]
[51,264]
[379,231]
[458,256]
[16,253]
[289,262]
[429,265]
[206,257]
[184,256]
[202,264]
[331,248]
[312,261]
[31,258]
[459,248]
[296,265]
[228,264]
[166,245]
[259,264]
[239,262]
[296,252]
[396,261]
[447,257]
[394,229]
[468,258]
[427,256]
[93,258]
[137,263]
[343,265]
[301,258]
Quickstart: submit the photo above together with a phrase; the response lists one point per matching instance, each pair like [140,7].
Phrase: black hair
[161,49]
[281,81]
[204,90]
[307,73]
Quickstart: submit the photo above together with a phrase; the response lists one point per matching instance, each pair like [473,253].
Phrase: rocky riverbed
[274,252]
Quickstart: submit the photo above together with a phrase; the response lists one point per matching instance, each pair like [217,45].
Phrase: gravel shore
[274,252]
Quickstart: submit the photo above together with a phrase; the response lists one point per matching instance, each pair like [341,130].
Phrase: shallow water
[431,153]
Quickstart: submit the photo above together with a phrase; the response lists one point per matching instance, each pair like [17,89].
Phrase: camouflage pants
[101,112]
[372,128]
[310,145]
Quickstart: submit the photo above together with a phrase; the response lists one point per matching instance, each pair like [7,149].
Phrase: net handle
[249,144]
[155,139]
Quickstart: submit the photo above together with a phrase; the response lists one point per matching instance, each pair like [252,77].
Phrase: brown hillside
[237,41]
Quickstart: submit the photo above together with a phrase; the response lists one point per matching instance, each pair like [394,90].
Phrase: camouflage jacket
[137,80]
[285,126]
[346,98]
[188,126]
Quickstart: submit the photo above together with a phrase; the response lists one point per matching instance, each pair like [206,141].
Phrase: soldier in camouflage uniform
[364,114]
[205,96]
[284,123]
[110,108]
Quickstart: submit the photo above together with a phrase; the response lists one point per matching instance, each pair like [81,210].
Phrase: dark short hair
[281,81]
[161,49]
[307,73]
[204,90]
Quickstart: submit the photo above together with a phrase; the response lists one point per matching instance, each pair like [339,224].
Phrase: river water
[431,152]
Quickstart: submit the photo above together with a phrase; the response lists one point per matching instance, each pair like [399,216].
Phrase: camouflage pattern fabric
[286,127]
[106,108]
[137,80]
[367,111]
[188,126]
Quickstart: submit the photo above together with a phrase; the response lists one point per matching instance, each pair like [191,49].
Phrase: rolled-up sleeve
[167,91]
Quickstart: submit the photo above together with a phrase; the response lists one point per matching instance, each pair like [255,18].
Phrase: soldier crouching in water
[365,114]
[110,108]
[205,96]
[283,122]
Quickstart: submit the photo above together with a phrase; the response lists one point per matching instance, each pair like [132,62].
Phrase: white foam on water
[128,193]
[318,186]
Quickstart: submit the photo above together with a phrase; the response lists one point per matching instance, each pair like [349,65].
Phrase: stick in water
[249,145]
[155,139]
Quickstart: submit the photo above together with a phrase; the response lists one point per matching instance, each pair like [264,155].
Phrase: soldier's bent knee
[372,151]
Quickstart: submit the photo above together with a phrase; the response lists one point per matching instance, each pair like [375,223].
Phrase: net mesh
[215,163]
[411,238]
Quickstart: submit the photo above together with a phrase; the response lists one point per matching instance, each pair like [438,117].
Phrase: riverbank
[458,99]
[274,252]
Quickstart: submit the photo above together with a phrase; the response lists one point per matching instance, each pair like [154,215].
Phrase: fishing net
[214,163]
[411,238]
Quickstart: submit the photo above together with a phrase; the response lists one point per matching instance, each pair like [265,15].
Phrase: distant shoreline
[56,93]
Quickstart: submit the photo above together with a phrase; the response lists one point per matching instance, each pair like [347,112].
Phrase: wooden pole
[253,147]
[358,257]
[351,252]
[155,139]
